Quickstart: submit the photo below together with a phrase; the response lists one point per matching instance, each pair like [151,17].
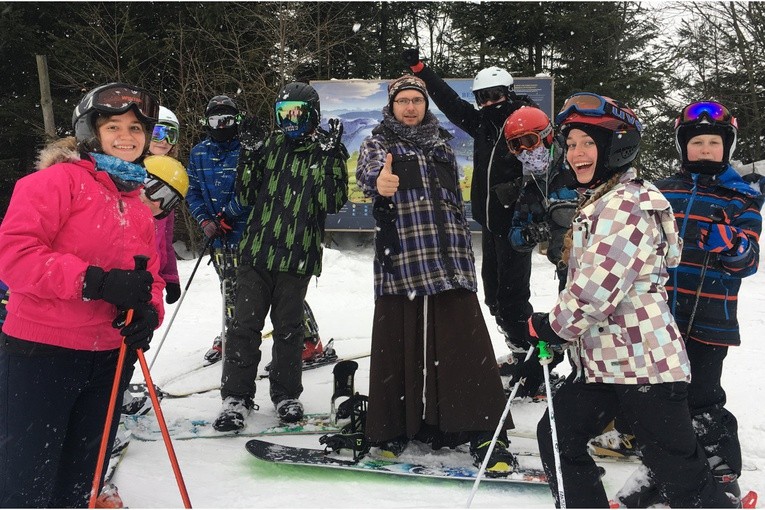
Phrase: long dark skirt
[463,392]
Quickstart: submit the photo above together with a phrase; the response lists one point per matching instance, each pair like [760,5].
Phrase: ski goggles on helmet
[119,99]
[593,105]
[527,141]
[163,132]
[713,111]
[293,117]
[158,191]
[492,94]
[222,121]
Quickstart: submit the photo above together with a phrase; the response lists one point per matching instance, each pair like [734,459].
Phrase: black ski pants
[506,275]
[716,427]
[659,417]
[258,291]
[53,404]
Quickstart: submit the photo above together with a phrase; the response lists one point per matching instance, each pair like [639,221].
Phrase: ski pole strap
[545,353]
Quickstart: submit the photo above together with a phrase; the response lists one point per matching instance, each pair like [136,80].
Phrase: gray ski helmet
[221,104]
[297,91]
[113,99]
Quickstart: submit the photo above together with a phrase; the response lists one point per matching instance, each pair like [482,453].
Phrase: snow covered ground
[219,473]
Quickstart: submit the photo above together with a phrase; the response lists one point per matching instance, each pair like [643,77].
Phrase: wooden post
[45,99]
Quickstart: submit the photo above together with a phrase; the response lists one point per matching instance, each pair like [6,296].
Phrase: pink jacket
[168,265]
[60,220]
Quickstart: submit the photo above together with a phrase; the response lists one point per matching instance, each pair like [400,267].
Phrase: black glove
[752,177]
[252,134]
[411,56]
[124,288]
[334,140]
[531,372]
[539,329]
[140,330]
[387,242]
[534,233]
[225,223]
[508,192]
[172,292]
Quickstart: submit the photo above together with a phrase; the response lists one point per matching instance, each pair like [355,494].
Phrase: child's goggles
[157,191]
[593,105]
[527,141]
[221,121]
[713,111]
[163,132]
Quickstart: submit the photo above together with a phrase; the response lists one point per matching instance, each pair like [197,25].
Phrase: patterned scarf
[425,135]
[126,176]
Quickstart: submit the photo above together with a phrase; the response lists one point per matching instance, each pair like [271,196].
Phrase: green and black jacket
[291,188]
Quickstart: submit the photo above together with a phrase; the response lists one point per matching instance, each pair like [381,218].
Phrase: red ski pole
[141,261]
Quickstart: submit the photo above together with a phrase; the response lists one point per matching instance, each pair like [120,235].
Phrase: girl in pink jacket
[68,240]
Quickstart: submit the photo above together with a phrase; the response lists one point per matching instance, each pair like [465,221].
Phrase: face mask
[535,162]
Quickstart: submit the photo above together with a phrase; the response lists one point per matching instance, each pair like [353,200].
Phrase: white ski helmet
[167,117]
[492,77]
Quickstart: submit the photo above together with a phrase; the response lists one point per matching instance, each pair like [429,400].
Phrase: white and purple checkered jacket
[614,308]
[436,250]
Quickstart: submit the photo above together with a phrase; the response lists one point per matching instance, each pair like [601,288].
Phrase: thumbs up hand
[387,182]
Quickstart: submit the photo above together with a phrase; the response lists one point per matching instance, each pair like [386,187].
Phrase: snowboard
[146,428]
[440,465]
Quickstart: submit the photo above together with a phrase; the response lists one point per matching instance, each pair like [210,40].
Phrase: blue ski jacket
[212,181]
[695,198]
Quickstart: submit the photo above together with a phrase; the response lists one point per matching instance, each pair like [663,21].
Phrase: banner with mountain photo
[358,104]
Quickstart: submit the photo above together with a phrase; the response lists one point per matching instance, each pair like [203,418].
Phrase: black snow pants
[659,417]
[53,404]
[259,291]
[506,275]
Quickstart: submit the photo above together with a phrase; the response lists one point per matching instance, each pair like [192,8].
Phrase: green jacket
[291,188]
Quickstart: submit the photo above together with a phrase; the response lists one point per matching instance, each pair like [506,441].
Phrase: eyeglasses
[713,111]
[157,191]
[593,105]
[119,98]
[405,101]
[221,121]
[492,94]
[163,132]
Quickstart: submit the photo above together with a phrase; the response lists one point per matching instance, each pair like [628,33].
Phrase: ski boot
[232,416]
[612,443]
[501,462]
[215,354]
[289,410]
[109,497]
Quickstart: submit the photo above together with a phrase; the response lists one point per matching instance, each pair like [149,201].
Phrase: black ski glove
[139,332]
[334,140]
[172,292]
[124,288]
[531,372]
[752,177]
[411,56]
[534,233]
[252,134]
[539,329]
[387,242]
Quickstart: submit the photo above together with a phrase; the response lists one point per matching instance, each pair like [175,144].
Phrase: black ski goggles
[492,94]
[157,191]
[221,121]
[120,98]
[164,132]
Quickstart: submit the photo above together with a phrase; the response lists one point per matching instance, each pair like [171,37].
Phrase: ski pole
[702,275]
[163,429]
[545,357]
[141,262]
[496,434]
[716,216]
[180,302]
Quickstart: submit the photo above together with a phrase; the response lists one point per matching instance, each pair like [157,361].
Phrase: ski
[146,428]
[448,465]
